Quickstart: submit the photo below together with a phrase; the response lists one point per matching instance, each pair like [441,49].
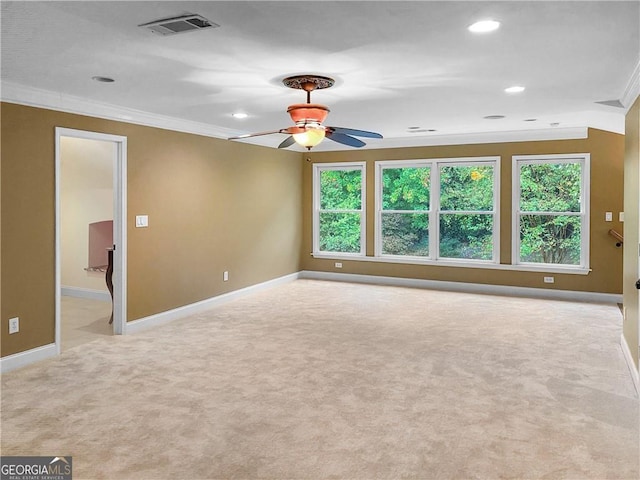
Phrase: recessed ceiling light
[484,26]
[103,79]
[514,89]
[239,115]
[493,117]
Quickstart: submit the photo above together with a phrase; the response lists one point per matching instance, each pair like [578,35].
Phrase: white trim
[434,165]
[119,227]
[193,308]
[481,264]
[381,165]
[22,359]
[505,290]
[89,293]
[315,204]
[633,370]
[585,203]
[120,232]
[599,120]
[36,97]
[472,138]
[632,91]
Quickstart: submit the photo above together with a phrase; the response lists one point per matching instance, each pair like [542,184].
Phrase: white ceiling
[396,64]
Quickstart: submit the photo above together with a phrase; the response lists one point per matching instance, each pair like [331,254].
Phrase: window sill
[546,268]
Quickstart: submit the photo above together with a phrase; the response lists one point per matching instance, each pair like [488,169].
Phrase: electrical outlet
[14,325]
[549,279]
[225,276]
[338,264]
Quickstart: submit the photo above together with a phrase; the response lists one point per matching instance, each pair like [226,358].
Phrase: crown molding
[633,89]
[469,138]
[36,97]
[504,136]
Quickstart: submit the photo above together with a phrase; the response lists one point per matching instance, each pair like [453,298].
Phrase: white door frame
[119,227]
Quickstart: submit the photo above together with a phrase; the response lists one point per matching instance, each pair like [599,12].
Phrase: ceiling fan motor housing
[308,113]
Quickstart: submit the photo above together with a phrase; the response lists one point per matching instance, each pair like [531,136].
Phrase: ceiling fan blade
[357,133]
[287,142]
[292,130]
[240,137]
[345,139]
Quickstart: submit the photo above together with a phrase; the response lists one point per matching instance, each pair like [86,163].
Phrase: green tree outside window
[340,206]
[550,223]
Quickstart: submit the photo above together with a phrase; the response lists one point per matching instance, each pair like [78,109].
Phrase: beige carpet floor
[318,380]
[84,320]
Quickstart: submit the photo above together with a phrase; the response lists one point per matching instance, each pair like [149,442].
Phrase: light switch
[608,216]
[621,216]
[142,221]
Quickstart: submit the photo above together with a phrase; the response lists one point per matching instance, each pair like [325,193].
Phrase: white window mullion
[377,234]
[585,206]
[434,218]
[316,210]
[496,210]
[363,210]
[515,207]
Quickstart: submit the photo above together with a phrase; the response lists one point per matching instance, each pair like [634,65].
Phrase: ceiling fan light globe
[309,138]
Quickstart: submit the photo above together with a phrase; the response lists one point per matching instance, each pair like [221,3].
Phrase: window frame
[395,164]
[434,211]
[584,214]
[318,168]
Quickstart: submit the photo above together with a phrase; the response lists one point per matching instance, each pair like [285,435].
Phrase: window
[339,201]
[467,214]
[551,218]
[438,209]
[404,217]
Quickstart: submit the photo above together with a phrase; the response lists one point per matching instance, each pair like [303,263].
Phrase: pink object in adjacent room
[100,239]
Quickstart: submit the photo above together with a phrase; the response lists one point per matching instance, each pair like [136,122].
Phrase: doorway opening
[90,236]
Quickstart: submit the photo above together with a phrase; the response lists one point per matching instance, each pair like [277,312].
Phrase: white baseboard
[181,312]
[466,287]
[633,369]
[85,293]
[22,359]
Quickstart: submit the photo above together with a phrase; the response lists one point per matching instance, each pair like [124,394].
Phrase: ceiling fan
[308,117]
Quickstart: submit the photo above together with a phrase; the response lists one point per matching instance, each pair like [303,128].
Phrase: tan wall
[86,196]
[213,205]
[631,240]
[607,153]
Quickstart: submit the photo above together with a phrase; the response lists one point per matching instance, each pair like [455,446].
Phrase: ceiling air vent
[185,23]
